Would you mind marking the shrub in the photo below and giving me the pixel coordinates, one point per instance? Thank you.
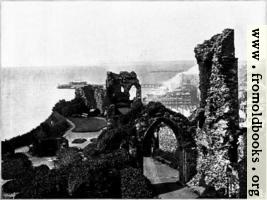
(134, 184)
(15, 166)
(110, 139)
(98, 184)
(59, 129)
(90, 150)
(92, 178)
(95, 173)
(153, 108)
(68, 108)
(30, 177)
(94, 112)
(49, 146)
(67, 156)
(79, 141)
(44, 130)
(7, 148)
(12, 186)
(41, 170)
(46, 184)
(135, 112)
(118, 159)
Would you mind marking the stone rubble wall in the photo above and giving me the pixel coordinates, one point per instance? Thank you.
(120, 85)
(217, 134)
(93, 96)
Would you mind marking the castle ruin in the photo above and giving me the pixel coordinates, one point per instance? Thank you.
(217, 130)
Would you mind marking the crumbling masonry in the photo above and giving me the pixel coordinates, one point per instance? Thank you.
(218, 121)
(93, 96)
(118, 89)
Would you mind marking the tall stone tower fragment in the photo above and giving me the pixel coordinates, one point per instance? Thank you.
(216, 135)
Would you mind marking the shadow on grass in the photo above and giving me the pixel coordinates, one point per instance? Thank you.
(161, 188)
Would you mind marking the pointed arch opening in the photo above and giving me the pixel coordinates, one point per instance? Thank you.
(133, 92)
(163, 143)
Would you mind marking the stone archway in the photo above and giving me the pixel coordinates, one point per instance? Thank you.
(150, 133)
(177, 159)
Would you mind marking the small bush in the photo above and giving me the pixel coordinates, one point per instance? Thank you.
(110, 139)
(49, 146)
(153, 108)
(118, 159)
(26, 179)
(15, 166)
(91, 170)
(79, 141)
(134, 184)
(67, 156)
(45, 183)
(44, 130)
(12, 186)
(41, 170)
(7, 148)
(90, 150)
(99, 184)
(68, 108)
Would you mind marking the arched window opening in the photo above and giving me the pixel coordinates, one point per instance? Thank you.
(132, 92)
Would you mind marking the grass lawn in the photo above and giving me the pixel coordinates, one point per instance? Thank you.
(91, 124)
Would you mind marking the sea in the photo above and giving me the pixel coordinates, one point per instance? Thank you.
(28, 94)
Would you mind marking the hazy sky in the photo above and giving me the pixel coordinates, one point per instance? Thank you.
(84, 33)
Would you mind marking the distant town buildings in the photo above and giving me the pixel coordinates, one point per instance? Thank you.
(183, 99)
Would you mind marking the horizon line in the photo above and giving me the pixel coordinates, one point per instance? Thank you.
(101, 64)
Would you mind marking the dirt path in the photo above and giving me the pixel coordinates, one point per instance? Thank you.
(165, 180)
(37, 161)
(70, 136)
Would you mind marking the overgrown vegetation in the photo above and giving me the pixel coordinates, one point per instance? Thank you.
(108, 167)
(45, 184)
(67, 156)
(99, 175)
(134, 185)
(54, 126)
(15, 166)
(68, 108)
(75, 177)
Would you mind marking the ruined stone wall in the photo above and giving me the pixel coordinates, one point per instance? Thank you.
(119, 85)
(217, 135)
(99, 95)
(93, 96)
